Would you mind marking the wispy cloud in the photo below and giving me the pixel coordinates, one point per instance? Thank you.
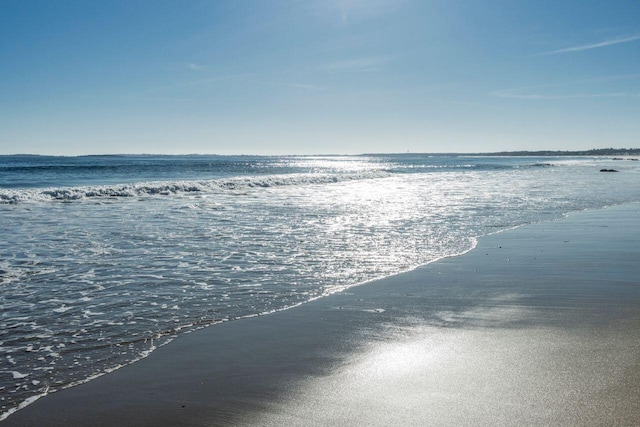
(356, 64)
(572, 89)
(193, 66)
(512, 95)
(604, 43)
(302, 86)
(358, 10)
(200, 82)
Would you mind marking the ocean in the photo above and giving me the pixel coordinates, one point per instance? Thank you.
(105, 258)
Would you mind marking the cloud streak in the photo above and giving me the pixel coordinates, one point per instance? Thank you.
(604, 43)
(302, 86)
(512, 95)
(201, 82)
(193, 66)
(572, 89)
(356, 64)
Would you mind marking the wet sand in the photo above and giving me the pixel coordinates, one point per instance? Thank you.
(536, 326)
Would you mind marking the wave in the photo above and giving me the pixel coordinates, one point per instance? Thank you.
(163, 188)
(444, 167)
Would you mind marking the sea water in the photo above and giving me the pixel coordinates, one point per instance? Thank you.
(105, 258)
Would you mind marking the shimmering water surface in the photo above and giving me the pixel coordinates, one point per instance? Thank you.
(103, 258)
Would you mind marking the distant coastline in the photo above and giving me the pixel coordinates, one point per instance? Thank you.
(523, 153)
(592, 152)
(540, 153)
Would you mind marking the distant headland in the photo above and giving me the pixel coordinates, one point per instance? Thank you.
(593, 152)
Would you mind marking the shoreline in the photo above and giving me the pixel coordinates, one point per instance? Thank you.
(505, 295)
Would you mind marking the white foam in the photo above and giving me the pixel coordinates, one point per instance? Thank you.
(164, 188)
(28, 401)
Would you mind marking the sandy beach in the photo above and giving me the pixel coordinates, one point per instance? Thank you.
(536, 326)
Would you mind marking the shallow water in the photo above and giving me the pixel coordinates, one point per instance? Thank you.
(104, 258)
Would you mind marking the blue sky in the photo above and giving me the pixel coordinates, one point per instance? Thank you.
(303, 77)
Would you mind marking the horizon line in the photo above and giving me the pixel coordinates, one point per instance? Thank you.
(501, 152)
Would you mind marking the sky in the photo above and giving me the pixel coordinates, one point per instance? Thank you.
(313, 77)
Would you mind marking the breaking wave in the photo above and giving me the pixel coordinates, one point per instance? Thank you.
(163, 188)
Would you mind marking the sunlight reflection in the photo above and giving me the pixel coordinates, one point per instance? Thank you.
(425, 375)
